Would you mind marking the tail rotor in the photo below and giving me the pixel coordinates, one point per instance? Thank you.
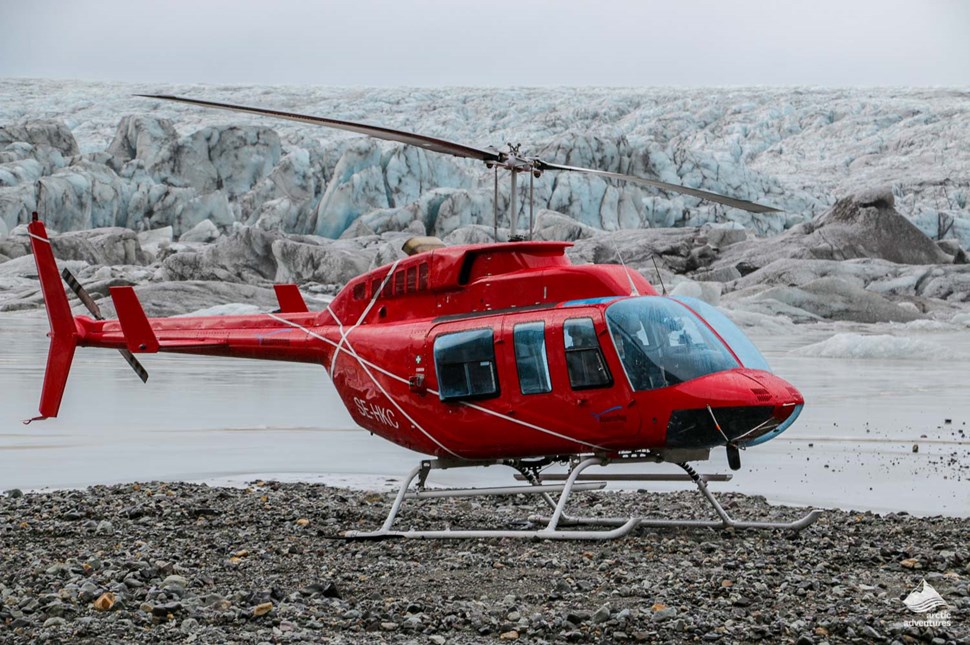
(95, 310)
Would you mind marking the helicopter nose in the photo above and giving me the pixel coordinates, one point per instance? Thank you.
(788, 403)
(741, 407)
(768, 388)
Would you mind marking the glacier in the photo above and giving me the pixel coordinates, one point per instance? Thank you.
(872, 184)
(71, 146)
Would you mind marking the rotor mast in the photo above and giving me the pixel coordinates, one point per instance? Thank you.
(514, 163)
(513, 214)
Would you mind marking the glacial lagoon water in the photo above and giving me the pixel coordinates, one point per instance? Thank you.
(231, 421)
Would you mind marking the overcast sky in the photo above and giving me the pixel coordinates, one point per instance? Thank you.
(490, 42)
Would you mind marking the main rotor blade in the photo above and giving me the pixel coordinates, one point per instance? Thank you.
(703, 194)
(86, 299)
(420, 140)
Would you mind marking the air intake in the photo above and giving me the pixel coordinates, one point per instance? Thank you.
(761, 393)
(421, 244)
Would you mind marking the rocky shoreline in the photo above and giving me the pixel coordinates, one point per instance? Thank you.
(193, 563)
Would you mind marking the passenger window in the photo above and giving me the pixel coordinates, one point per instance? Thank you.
(423, 276)
(465, 364)
(530, 358)
(584, 358)
(412, 280)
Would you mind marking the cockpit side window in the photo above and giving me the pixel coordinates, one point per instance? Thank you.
(584, 357)
(465, 365)
(531, 361)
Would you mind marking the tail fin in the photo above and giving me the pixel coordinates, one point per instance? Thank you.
(134, 323)
(290, 299)
(63, 332)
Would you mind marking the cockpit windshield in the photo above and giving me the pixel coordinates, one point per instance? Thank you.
(740, 344)
(662, 343)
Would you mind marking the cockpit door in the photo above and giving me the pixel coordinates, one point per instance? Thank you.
(592, 379)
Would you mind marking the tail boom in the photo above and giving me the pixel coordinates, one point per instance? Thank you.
(278, 337)
(294, 334)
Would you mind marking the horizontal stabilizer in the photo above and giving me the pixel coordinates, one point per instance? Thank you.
(290, 299)
(134, 323)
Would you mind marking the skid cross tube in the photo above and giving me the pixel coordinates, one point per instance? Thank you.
(550, 532)
(536, 489)
(619, 526)
(725, 521)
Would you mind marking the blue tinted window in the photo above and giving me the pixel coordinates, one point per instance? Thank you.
(530, 358)
(584, 358)
(465, 364)
(743, 348)
(661, 343)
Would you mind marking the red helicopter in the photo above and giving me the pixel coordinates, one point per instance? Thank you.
(487, 354)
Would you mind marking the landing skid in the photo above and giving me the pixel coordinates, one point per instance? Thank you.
(552, 531)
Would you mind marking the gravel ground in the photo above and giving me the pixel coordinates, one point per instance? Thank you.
(193, 563)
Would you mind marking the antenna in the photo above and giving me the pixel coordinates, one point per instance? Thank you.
(659, 277)
(633, 287)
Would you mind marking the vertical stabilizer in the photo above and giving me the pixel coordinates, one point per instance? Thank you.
(290, 299)
(63, 328)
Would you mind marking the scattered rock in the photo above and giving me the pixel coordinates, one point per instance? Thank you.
(601, 615)
(262, 609)
(105, 601)
(55, 621)
(163, 610)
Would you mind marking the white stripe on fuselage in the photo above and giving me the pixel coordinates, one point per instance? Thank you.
(339, 348)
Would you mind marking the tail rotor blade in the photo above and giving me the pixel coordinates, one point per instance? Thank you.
(135, 365)
(751, 207)
(82, 294)
(95, 310)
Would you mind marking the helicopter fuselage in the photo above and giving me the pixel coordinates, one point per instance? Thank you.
(506, 351)
(484, 352)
